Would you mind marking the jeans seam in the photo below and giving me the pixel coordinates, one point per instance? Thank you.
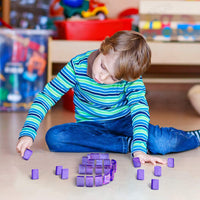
(124, 145)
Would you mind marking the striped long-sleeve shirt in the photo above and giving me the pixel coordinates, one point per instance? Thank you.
(93, 101)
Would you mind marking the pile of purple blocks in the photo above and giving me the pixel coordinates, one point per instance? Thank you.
(157, 171)
(101, 165)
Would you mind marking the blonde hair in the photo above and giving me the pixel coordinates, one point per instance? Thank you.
(134, 54)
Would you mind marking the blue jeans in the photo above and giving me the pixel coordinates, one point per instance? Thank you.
(111, 136)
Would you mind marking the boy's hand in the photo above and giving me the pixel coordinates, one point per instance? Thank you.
(145, 158)
(24, 143)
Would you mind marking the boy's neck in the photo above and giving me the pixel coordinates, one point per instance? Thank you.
(91, 59)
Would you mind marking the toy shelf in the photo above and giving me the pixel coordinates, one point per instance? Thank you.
(163, 53)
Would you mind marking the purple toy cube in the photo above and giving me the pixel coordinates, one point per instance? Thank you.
(98, 169)
(99, 162)
(112, 175)
(157, 170)
(58, 170)
(91, 162)
(93, 156)
(89, 181)
(27, 154)
(140, 174)
(106, 169)
(136, 162)
(114, 165)
(106, 162)
(82, 169)
(98, 180)
(154, 184)
(103, 156)
(35, 174)
(80, 181)
(89, 169)
(65, 174)
(106, 178)
(84, 160)
(170, 162)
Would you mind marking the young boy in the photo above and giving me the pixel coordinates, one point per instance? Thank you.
(111, 110)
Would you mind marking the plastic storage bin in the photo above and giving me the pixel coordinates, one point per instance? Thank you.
(91, 29)
(23, 65)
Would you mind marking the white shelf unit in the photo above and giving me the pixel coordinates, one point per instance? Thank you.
(163, 53)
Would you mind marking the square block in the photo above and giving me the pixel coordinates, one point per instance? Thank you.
(89, 181)
(27, 154)
(99, 162)
(106, 178)
(93, 156)
(98, 169)
(106, 169)
(35, 174)
(98, 180)
(140, 174)
(106, 162)
(58, 170)
(91, 162)
(154, 184)
(84, 160)
(89, 169)
(80, 181)
(157, 170)
(170, 162)
(65, 174)
(136, 162)
(103, 156)
(82, 169)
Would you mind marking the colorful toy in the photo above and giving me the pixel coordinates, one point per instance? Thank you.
(99, 162)
(140, 174)
(106, 178)
(98, 169)
(132, 13)
(89, 169)
(84, 8)
(106, 169)
(27, 154)
(82, 169)
(170, 21)
(170, 162)
(136, 162)
(35, 174)
(80, 181)
(155, 184)
(157, 171)
(98, 180)
(58, 170)
(65, 174)
(89, 181)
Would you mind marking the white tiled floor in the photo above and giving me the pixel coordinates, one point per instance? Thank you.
(169, 107)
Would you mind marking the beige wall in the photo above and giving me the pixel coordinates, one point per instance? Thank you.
(116, 6)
